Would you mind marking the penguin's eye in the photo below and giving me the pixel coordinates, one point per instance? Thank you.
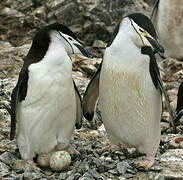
(70, 38)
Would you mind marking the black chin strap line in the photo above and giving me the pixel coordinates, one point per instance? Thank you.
(137, 32)
(67, 42)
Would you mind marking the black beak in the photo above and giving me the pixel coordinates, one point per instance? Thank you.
(84, 51)
(157, 46)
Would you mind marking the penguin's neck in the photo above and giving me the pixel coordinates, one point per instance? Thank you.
(56, 54)
(123, 46)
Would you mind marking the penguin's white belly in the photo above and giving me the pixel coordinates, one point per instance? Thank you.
(130, 106)
(47, 116)
(170, 27)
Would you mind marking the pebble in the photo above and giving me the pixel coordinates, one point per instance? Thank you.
(31, 176)
(7, 157)
(21, 166)
(122, 167)
(4, 169)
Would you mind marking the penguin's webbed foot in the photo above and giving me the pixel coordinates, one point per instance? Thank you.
(146, 163)
(71, 150)
(33, 164)
(112, 147)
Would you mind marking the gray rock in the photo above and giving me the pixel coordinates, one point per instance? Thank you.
(99, 44)
(7, 157)
(71, 177)
(40, 12)
(94, 173)
(122, 167)
(159, 177)
(31, 176)
(21, 166)
(11, 12)
(63, 176)
(4, 169)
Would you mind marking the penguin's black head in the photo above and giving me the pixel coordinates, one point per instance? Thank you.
(145, 30)
(62, 34)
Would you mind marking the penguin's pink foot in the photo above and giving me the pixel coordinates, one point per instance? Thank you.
(33, 164)
(112, 147)
(71, 150)
(147, 162)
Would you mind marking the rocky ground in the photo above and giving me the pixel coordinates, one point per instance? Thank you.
(19, 22)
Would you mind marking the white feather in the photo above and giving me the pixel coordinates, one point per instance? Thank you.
(46, 117)
(130, 104)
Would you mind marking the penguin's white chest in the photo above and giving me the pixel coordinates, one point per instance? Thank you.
(130, 105)
(47, 116)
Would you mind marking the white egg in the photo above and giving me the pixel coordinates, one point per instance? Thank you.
(43, 160)
(60, 160)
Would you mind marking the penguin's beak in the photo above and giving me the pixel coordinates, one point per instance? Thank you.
(84, 51)
(155, 44)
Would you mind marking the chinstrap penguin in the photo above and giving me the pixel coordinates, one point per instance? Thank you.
(45, 102)
(167, 19)
(128, 85)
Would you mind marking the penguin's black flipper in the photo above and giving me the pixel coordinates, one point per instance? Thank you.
(154, 11)
(91, 95)
(157, 81)
(18, 94)
(79, 110)
(179, 109)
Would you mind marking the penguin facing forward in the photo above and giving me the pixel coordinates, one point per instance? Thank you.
(45, 102)
(128, 87)
(167, 19)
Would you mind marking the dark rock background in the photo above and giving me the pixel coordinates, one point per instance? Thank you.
(93, 21)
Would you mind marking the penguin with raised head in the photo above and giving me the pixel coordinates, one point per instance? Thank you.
(167, 19)
(129, 86)
(45, 102)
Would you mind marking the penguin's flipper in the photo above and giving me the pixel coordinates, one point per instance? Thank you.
(179, 109)
(154, 11)
(18, 94)
(180, 98)
(91, 95)
(157, 81)
(79, 111)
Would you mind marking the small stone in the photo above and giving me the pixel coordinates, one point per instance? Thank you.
(87, 175)
(11, 12)
(99, 44)
(113, 171)
(21, 166)
(7, 157)
(85, 178)
(156, 168)
(60, 160)
(4, 169)
(108, 159)
(94, 173)
(122, 167)
(44, 160)
(63, 176)
(159, 177)
(71, 177)
(32, 176)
